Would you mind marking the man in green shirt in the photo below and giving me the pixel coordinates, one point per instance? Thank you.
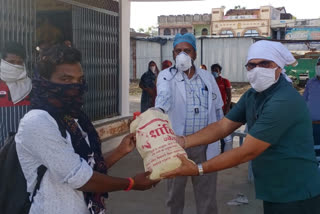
(279, 139)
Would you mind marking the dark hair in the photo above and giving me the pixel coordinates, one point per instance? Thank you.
(57, 55)
(216, 66)
(14, 48)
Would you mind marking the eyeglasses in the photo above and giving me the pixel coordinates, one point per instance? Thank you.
(263, 64)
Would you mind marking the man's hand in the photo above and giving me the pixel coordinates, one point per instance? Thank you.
(142, 181)
(127, 144)
(186, 168)
(181, 140)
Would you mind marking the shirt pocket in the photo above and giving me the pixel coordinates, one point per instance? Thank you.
(203, 98)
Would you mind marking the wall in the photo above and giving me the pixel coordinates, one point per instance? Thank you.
(198, 29)
(145, 52)
(303, 33)
(124, 56)
(176, 22)
(241, 26)
(230, 53)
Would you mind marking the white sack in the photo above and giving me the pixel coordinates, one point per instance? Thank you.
(156, 143)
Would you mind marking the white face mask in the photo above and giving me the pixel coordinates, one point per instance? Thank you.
(318, 70)
(11, 73)
(16, 78)
(183, 62)
(261, 78)
(153, 69)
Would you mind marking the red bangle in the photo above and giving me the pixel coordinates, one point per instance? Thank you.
(131, 184)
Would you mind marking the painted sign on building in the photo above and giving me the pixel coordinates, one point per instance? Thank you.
(240, 17)
(303, 33)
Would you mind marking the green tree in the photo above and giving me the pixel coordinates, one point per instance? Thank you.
(238, 7)
(152, 31)
(141, 30)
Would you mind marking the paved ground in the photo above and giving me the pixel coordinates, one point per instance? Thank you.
(230, 182)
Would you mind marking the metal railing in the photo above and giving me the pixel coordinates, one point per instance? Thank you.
(96, 34)
(17, 23)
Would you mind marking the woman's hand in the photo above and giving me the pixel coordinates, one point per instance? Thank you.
(187, 168)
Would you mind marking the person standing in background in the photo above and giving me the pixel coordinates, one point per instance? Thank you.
(148, 86)
(204, 67)
(224, 86)
(312, 97)
(225, 90)
(15, 87)
(166, 64)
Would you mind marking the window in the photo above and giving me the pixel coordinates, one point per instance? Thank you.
(204, 31)
(227, 33)
(250, 33)
(167, 32)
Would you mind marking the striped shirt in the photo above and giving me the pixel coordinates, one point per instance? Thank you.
(10, 113)
(9, 120)
(196, 104)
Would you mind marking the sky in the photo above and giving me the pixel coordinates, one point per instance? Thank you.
(145, 14)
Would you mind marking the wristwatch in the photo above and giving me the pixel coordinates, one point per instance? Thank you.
(200, 169)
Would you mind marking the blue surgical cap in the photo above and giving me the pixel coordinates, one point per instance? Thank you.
(187, 37)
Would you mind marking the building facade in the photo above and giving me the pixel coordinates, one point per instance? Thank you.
(198, 24)
(244, 22)
(296, 29)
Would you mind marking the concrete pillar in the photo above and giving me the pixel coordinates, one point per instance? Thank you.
(124, 56)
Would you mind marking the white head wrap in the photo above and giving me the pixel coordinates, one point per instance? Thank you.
(273, 51)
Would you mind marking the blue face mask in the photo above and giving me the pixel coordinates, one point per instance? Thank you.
(215, 74)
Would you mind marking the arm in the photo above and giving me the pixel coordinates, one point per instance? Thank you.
(126, 146)
(212, 133)
(229, 97)
(104, 183)
(146, 85)
(49, 148)
(220, 116)
(150, 91)
(164, 93)
(251, 148)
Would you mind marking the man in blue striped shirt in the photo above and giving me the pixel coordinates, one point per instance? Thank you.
(191, 98)
(312, 97)
(15, 87)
